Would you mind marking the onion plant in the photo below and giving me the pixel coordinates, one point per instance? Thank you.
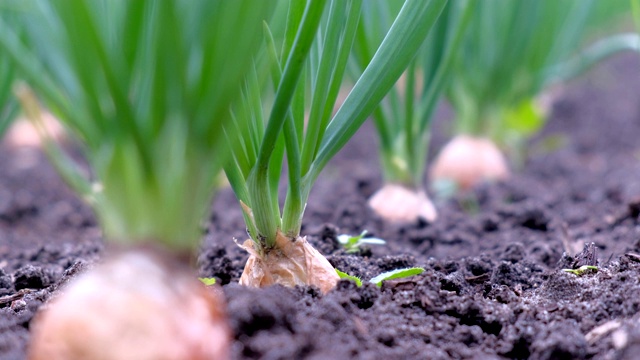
(513, 50)
(308, 67)
(146, 88)
(8, 104)
(403, 120)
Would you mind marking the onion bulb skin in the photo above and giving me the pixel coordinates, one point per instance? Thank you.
(399, 204)
(468, 161)
(136, 304)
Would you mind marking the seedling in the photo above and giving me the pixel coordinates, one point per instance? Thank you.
(208, 281)
(582, 270)
(308, 67)
(346, 276)
(396, 274)
(352, 244)
(389, 275)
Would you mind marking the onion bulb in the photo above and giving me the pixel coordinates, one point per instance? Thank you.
(135, 305)
(400, 204)
(468, 160)
(289, 263)
(23, 133)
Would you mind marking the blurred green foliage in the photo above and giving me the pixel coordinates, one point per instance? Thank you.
(8, 103)
(146, 87)
(516, 49)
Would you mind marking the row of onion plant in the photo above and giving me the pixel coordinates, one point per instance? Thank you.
(151, 91)
(145, 88)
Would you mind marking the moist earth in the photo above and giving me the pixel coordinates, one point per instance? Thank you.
(493, 285)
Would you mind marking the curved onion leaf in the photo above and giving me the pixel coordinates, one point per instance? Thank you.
(396, 274)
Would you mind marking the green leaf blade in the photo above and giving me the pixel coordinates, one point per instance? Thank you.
(147, 87)
(395, 53)
(346, 276)
(396, 274)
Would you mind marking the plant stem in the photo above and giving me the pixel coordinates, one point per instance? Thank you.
(266, 220)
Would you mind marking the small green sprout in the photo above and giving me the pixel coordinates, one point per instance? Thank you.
(389, 275)
(396, 274)
(207, 281)
(352, 244)
(344, 275)
(581, 270)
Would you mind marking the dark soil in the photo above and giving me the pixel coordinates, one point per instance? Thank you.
(493, 285)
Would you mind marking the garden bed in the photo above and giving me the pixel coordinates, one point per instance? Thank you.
(493, 285)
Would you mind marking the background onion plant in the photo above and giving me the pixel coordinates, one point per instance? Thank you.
(513, 50)
(403, 119)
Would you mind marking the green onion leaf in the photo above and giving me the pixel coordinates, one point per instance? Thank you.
(207, 281)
